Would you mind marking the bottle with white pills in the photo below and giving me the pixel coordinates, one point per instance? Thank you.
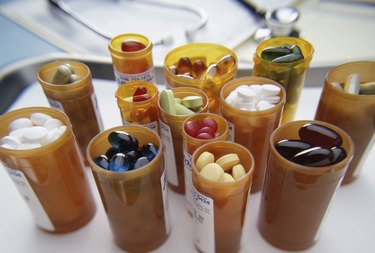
(253, 107)
(68, 88)
(41, 156)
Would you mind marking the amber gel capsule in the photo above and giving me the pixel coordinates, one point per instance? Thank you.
(319, 136)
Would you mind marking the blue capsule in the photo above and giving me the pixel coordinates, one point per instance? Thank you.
(142, 161)
(149, 150)
(102, 161)
(132, 157)
(122, 141)
(110, 153)
(119, 163)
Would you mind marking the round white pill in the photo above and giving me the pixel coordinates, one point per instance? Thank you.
(53, 135)
(20, 123)
(246, 93)
(36, 134)
(29, 146)
(11, 141)
(257, 88)
(52, 123)
(270, 90)
(231, 97)
(263, 105)
(39, 118)
(18, 133)
(271, 99)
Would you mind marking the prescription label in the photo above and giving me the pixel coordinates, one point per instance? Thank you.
(148, 76)
(152, 126)
(55, 104)
(28, 194)
(204, 226)
(163, 184)
(95, 105)
(188, 180)
(169, 159)
(230, 131)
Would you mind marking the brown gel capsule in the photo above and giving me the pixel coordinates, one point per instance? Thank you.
(338, 154)
(184, 65)
(198, 68)
(289, 148)
(314, 157)
(226, 63)
(132, 46)
(319, 136)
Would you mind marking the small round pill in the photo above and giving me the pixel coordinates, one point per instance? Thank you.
(246, 93)
(39, 119)
(271, 99)
(36, 134)
(204, 159)
(20, 123)
(11, 141)
(228, 161)
(270, 89)
(227, 178)
(212, 171)
(238, 171)
(263, 105)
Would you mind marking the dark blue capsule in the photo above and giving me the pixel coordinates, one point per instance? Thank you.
(102, 161)
(149, 150)
(119, 163)
(122, 141)
(110, 153)
(132, 157)
(314, 157)
(142, 161)
(289, 148)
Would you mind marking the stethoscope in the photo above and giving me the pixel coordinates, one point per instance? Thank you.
(189, 31)
(278, 22)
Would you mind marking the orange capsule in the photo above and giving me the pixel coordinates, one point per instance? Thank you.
(226, 63)
(198, 68)
(212, 72)
(184, 65)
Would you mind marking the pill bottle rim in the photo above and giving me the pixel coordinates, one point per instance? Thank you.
(119, 53)
(197, 82)
(281, 40)
(252, 80)
(24, 153)
(129, 174)
(309, 169)
(330, 77)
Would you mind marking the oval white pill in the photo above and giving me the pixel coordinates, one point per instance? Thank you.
(257, 88)
(263, 105)
(270, 90)
(52, 123)
(53, 135)
(18, 133)
(29, 146)
(231, 97)
(36, 134)
(7, 146)
(246, 93)
(11, 141)
(20, 123)
(39, 118)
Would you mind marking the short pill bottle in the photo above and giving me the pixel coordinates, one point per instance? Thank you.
(220, 207)
(171, 134)
(144, 113)
(291, 75)
(132, 65)
(77, 100)
(52, 177)
(210, 54)
(252, 129)
(351, 112)
(135, 201)
(296, 198)
(190, 144)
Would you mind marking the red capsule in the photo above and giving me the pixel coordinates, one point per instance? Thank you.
(209, 122)
(141, 98)
(204, 136)
(184, 65)
(141, 90)
(132, 46)
(319, 135)
(192, 128)
(208, 130)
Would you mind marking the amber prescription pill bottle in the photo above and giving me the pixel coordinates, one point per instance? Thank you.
(51, 177)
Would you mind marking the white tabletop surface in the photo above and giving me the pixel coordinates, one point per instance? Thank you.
(349, 227)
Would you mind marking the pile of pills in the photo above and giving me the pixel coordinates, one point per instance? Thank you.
(124, 153)
(65, 74)
(353, 85)
(132, 46)
(198, 69)
(254, 97)
(139, 95)
(180, 106)
(205, 128)
(29, 133)
(226, 168)
(284, 54)
(318, 146)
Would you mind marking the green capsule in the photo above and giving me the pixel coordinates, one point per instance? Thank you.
(271, 53)
(297, 50)
(288, 58)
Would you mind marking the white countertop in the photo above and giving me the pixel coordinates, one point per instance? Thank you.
(349, 227)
